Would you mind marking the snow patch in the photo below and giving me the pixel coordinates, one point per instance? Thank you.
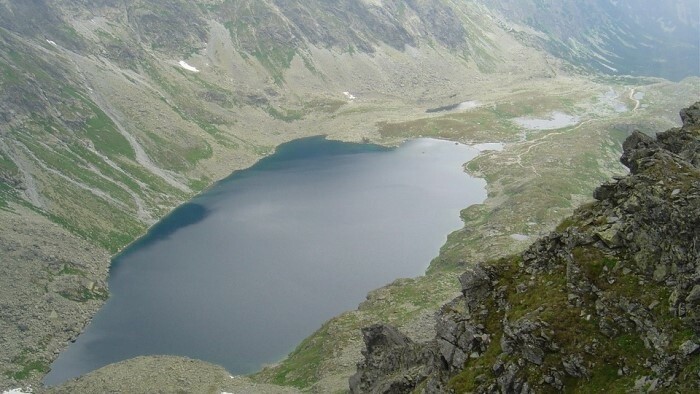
(613, 69)
(467, 105)
(187, 67)
(349, 96)
(54, 44)
(19, 391)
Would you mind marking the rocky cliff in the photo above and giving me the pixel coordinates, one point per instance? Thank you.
(609, 301)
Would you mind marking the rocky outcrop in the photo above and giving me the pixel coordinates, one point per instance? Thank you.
(393, 362)
(609, 301)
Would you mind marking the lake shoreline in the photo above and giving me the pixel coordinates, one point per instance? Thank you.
(214, 185)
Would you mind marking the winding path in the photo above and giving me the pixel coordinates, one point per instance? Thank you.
(637, 103)
(539, 141)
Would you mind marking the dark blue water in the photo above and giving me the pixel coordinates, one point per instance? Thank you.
(242, 273)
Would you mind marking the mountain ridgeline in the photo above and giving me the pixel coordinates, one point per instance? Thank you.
(609, 301)
(624, 37)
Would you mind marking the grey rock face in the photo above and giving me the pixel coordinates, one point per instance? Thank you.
(393, 363)
(689, 348)
(476, 283)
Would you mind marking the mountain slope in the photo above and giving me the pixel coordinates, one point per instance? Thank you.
(614, 37)
(608, 302)
(131, 130)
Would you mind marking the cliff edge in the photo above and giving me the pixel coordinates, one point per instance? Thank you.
(610, 301)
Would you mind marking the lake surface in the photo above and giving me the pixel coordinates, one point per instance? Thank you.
(242, 273)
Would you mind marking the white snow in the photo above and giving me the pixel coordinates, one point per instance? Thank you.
(19, 391)
(349, 96)
(467, 105)
(187, 67)
(54, 44)
(489, 146)
(613, 69)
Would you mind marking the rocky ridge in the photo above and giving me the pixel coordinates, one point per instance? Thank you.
(608, 301)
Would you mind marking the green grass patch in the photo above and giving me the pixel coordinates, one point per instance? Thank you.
(465, 381)
(307, 358)
(6, 193)
(687, 379)
(69, 270)
(70, 165)
(275, 60)
(593, 262)
(104, 134)
(84, 294)
(28, 367)
(252, 25)
(283, 114)
(90, 217)
(325, 106)
(154, 181)
(8, 75)
(8, 168)
(104, 168)
(198, 185)
(197, 153)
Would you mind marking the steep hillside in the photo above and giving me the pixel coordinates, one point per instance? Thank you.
(613, 37)
(607, 302)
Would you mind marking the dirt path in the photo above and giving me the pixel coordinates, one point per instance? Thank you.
(540, 141)
(637, 103)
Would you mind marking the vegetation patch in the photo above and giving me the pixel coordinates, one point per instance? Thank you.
(283, 114)
(307, 358)
(28, 367)
(84, 294)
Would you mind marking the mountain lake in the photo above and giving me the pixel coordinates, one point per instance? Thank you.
(242, 273)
